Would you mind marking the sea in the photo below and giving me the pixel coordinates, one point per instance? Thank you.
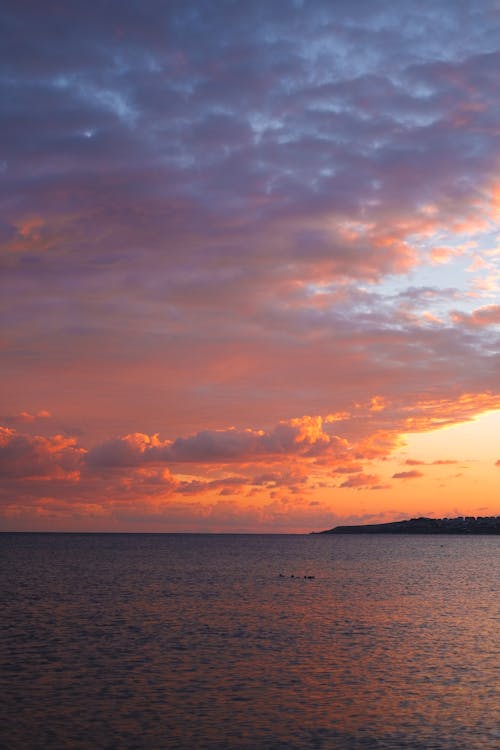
(249, 642)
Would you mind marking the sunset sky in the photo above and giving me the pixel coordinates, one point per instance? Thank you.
(250, 263)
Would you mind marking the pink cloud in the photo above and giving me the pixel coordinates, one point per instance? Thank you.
(25, 417)
(482, 316)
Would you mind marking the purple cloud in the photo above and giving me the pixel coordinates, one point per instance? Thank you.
(413, 474)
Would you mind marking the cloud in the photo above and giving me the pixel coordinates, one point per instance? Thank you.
(211, 215)
(413, 474)
(302, 437)
(353, 468)
(377, 444)
(429, 414)
(24, 417)
(228, 486)
(271, 138)
(438, 462)
(483, 316)
(130, 450)
(25, 456)
(361, 480)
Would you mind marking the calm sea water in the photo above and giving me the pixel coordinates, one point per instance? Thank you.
(219, 642)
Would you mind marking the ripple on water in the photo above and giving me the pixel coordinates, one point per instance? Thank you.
(164, 641)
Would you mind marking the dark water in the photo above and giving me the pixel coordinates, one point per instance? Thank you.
(193, 642)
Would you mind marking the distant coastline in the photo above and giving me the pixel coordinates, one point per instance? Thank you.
(460, 525)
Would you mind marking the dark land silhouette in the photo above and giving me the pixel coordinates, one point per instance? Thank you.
(460, 525)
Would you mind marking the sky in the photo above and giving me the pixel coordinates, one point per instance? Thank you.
(250, 263)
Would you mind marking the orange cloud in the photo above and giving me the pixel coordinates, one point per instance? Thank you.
(361, 480)
(378, 444)
(435, 413)
(37, 457)
(302, 436)
(295, 461)
(441, 255)
(340, 416)
(378, 403)
(439, 462)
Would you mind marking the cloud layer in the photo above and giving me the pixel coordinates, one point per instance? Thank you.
(219, 217)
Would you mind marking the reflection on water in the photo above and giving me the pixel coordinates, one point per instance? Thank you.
(194, 642)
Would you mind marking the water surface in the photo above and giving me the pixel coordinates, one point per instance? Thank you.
(218, 642)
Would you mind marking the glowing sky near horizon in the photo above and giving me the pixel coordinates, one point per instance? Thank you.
(250, 264)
